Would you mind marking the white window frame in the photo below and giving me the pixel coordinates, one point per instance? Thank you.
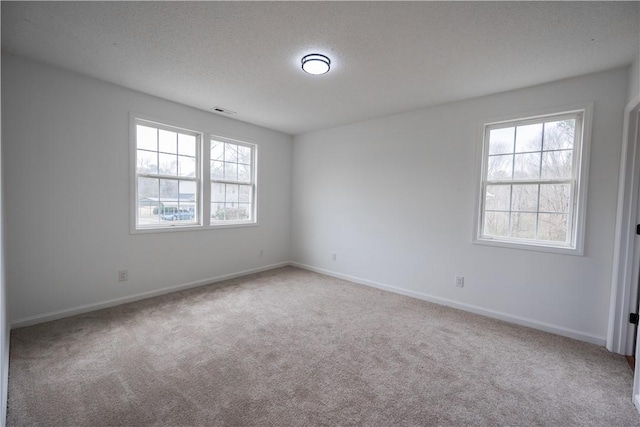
(578, 202)
(253, 183)
(203, 179)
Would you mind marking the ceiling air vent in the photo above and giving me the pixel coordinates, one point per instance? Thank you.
(221, 110)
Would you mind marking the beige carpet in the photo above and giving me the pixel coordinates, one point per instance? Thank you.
(293, 348)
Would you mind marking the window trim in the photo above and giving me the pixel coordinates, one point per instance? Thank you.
(577, 210)
(203, 179)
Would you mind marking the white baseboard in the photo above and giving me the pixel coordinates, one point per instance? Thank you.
(636, 402)
(555, 329)
(531, 323)
(54, 315)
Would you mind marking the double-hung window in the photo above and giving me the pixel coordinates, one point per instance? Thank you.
(232, 181)
(170, 191)
(167, 176)
(534, 183)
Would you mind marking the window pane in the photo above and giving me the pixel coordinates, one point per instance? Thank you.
(185, 207)
(501, 140)
(527, 166)
(498, 197)
(187, 193)
(187, 166)
(244, 155)
(146, 138)
(168, 206)
(169, 190)
(525, 198)
(217, 211)
(230, 171)
(244, 173)
(244, 211)
(187, 145)
(555, 198)
(557, 164)
(553, 227)
(496, 224)
(232, 193)
(529, 138)
(168, 142)
(147, 162)
(231, 211)
(148, 190)
(217, 192)
(168, 164)
(500, 167)
(559, 135)
(217, 150)
(523, 225)
(245, 194)
(217, 170)
(230, 153)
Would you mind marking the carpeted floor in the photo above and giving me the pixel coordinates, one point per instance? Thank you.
(289, 347)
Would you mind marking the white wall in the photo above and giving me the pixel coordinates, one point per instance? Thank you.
(66, 142)
(394, 198)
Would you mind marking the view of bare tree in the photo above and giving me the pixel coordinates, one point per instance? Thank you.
(529, 174)
(230, 169)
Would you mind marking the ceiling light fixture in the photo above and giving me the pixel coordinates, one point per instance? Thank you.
(316, 64)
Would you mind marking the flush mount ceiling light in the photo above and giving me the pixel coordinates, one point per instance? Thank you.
(316, 64)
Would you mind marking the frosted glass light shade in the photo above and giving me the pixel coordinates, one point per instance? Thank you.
(316, 64)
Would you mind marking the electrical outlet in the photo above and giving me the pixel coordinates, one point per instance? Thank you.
(460, 281)
(334, 256)
(123, 275)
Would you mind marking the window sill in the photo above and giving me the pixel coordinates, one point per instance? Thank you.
(216, 225)
(530, 246)
(167, 229)
(192, 227)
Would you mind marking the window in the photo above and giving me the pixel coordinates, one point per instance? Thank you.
(167, 178)
(169, 191)
(232, 182)
(532, 192)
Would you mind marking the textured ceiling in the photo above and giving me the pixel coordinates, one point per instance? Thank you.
(387, 57)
